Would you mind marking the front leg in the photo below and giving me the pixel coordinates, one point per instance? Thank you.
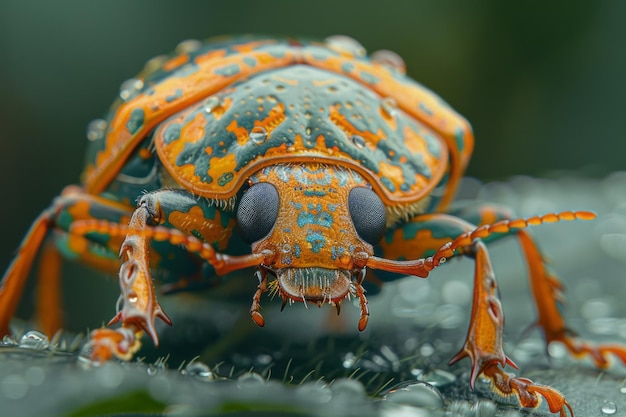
(425, 236)
(180, 218)
(483, 344)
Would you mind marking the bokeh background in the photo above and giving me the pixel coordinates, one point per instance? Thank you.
(543, 83)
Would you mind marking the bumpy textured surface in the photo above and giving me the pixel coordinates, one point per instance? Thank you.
(234, 103)
(412, 315)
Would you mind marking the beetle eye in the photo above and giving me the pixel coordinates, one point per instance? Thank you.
(368, 213)
(257, 211)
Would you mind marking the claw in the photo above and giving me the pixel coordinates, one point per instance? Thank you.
(121, 343)
(600, 354)
(527, 392)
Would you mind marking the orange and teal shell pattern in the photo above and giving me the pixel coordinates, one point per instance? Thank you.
(221, 110)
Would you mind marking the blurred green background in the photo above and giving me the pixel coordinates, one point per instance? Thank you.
(543, 83)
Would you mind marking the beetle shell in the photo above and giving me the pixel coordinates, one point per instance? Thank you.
(234, 102)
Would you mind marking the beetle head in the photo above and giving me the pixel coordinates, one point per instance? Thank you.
(319, 221)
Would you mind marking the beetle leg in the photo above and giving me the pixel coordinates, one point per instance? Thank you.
(176, 216)
(546, 290)
(52, 230)
(527, 392)
(360, 293)
(140, 307)
(257, 317)
(483, 345)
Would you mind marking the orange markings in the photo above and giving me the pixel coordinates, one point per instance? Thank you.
(176, 62)
(193, 131)
(195, 220)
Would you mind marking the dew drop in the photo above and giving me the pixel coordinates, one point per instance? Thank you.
(258, 135)
(95, 129)
(609, 407)
(358, 141)
(8, 341)
(438, 378)
(348, 388)
(155, 63)
(349, 360)
(130, 88)
(389, 59)
(427, 349)
(389, 106)
(557, 350)
(199, 371)
(415, 393)
(188, 45)
(152, 370)
(34, 340)
(210, 104)
(346, 44)
(316, 391)
(251, 378)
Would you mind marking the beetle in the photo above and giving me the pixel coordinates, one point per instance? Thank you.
(337, 169)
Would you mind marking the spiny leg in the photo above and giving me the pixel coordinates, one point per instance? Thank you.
(545, 287)
(484, 339)
(182, 215)
(51, 229)
(483, 344)
(546, 290)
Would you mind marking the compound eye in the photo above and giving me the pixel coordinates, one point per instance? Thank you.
(368, 213)
(257, 211)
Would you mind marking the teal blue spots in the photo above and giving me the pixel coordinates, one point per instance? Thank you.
(186, 70)
(315, 216)
(333, 207)
(433, 145)
(369, 78)
(314, 193)
(225, 178)
(171, 133)
(250, 61)
(283, 174)
(136, 121)
(317, 241)
(296, 250)
(388, 184)
(336, 252)
(460, 139)
(423, 107)
(347, 67)
(297, 206)
(228, 70)
(62, 245)
(178, 93)
(440, 229)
